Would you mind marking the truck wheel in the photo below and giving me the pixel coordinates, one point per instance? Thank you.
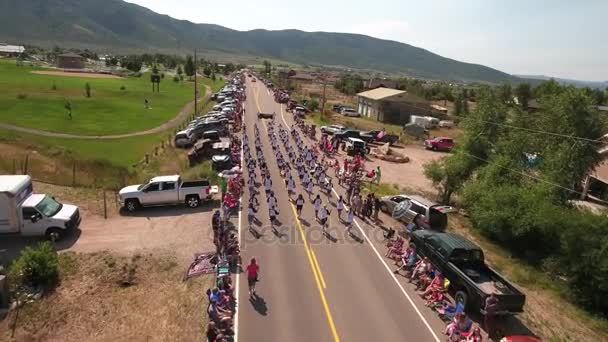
(132, 205)
(53, 234)
(383, 207)
(461, 297)
(434, 148)
(193, 201)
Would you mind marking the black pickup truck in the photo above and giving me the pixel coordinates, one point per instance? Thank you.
(471, 280)
(372, 136)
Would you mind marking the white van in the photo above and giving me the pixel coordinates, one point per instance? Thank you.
(28, 214)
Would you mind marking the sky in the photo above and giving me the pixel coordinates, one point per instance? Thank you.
(558, 38)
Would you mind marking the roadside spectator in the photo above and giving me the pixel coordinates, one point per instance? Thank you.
(490, 308)
(378, 175)
(376, 207)
(212, 332)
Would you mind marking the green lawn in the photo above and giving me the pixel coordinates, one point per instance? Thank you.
(29, 100)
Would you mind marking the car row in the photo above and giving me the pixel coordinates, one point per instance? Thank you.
(373, 136)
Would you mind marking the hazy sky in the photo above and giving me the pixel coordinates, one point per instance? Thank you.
(559, 38)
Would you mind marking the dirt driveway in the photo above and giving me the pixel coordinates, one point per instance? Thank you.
(178, 230)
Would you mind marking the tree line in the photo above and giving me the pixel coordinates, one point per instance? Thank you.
(515, 173)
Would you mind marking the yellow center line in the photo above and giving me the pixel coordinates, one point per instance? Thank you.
(314, 258)
(314, 265)
(317, 277)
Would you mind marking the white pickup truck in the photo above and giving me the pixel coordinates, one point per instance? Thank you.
(26, 213)
(165, 190)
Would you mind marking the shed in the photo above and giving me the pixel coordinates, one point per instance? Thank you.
(70, 61)
(391, 105)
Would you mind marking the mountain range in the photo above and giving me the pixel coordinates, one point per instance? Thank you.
(577, 83)
(121, 27)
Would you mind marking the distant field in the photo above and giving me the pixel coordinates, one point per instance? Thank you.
(29, 100)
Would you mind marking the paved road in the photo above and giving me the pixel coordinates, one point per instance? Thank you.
(315, 288)
(178, 119)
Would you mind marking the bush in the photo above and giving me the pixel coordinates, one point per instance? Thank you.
(312, 105)
(21, 96)
(36, 267)
(87, 89)
(54, 86)
(176, 79)
(123, 88)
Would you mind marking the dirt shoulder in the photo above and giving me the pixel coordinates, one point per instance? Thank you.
(93, 302)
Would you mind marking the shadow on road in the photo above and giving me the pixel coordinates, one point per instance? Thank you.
(11, 246)
(176, 210)
(259, 304)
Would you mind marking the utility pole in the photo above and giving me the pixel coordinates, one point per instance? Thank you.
(195, 86)
(324, 79)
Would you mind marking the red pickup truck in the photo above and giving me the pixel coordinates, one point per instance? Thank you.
(440, 144)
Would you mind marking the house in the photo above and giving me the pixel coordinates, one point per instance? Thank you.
(70, 61)
(302, 77)
(391, 105)
(374, 83)
(11, 50)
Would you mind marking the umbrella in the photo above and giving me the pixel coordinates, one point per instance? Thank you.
(401, 208)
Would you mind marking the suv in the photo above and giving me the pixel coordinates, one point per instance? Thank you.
(354, 146)
(352, 133)
(332, 129)
(349, 112)
(440, 144)
(422, 212)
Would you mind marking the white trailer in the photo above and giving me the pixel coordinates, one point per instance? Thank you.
(28, 214)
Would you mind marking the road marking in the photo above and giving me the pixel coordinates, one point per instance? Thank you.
(314, 258)
(236, 319)
(369, 242)
(314, 271)
(390, 272)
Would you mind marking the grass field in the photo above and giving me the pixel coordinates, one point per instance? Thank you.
(37, 101)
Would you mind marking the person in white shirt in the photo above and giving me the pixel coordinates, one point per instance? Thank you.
(317, 204)
(299, 204)
(268, 184)
(340, 207)
(323, 215)
(350, 216)
(309, 188)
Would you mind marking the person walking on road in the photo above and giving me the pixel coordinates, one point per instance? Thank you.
(340, 207)
(299, 204)
(323, 214)
(350, 217)
(378, 175)
(253, 272)
(317, 204)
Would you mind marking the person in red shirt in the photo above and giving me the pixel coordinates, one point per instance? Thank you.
(253, 270)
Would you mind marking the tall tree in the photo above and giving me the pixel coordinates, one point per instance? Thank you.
(523, 92)
(505, 93)
(189, 66)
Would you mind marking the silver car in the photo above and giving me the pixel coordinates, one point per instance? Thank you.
(332, 129)
(422, 212)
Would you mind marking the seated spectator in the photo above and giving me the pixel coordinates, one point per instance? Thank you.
(212, 332)
(435, 285)
(394, 247)
(475, 335)
(410, 262)
(421, 267)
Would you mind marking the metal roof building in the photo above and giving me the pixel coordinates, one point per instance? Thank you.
(391, 105)
(11, 50)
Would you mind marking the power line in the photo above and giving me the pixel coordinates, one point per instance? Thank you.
(544, 132)
(524, 174)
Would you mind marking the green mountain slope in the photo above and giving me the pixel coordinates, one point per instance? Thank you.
(121, 26)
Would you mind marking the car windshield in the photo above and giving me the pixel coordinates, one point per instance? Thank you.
(48, 206)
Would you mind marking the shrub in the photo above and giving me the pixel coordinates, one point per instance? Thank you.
(36, 267)
(87, 89)
(176, 79)
(54, 86)
(21, 96)
(123, 88)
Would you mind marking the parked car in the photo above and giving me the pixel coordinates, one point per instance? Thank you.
(183, 139)
(165, 190)
(206, 148)
(265, 115)
(355, 146)
(349, 112)
(28, 214)
(337, 108)
(446, 124)
(440, 144)
(332, 129)
(374, 136)
(471, 280)
(423, 213)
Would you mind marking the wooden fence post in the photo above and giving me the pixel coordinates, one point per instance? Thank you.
(74, 173)
(105, 206)
(14, 166)
(26, 164)
(147, 158)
